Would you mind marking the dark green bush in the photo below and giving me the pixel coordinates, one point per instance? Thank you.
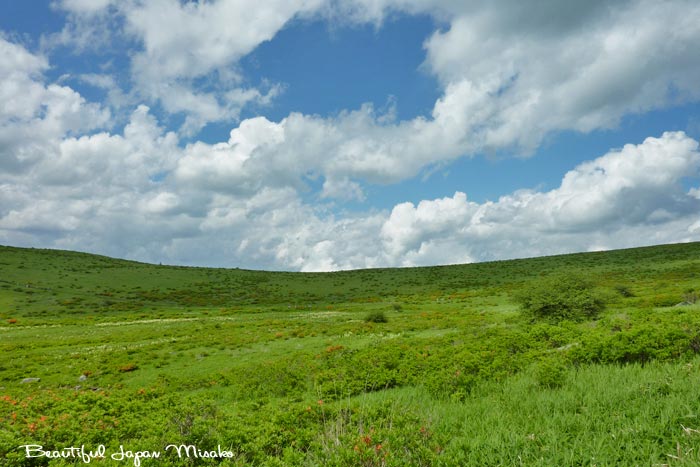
(376, 317)
(550, 373)
(624, 291)
(560, 297)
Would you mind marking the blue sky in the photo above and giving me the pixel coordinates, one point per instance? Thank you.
(338, 134)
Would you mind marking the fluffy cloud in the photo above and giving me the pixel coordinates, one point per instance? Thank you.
(85, 6)
(182, 45)
(624, 198)
(215, 35)
(548, 71)
(511, 72)
(598, 205)
(34, 116)
(154, 201)
(72, 179)
(507, 85)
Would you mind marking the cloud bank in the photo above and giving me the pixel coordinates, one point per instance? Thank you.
(271, 196)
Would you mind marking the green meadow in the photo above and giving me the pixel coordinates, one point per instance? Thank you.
(433, 366)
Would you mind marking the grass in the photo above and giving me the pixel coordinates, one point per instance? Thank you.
(286, 368)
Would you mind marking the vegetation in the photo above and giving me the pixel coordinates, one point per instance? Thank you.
(286, 369)
(376, 317)
(562, 297)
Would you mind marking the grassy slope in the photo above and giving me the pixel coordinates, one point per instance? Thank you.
(456, 377)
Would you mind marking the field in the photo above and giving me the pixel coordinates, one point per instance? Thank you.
(436, 366)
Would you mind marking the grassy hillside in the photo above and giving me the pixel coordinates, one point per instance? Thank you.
(285, 368)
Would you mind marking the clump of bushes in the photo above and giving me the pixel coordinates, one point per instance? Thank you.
(561, 297)
(550, 373)
(624, 291)
(376, 317)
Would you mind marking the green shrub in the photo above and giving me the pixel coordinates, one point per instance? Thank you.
(624, 291)
(550, 373)
(376, 317)
(560, 297)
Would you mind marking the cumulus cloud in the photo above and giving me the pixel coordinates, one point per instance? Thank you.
(627, 197)
(507, 85)
(510, 73)
(186, 41)
(598, 205)
(84, 6)
(34, 116)
(215, 34)
(180, 46)
(206, 204)
(542, 70)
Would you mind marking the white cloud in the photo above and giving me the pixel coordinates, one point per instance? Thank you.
(182, 45)
(409, 226)
(102, 160)
(628, 197)
(342, 189)
(89, 26)
(34, 116)
(85, 6)
(510, 77)
(214, 34)
(511, 72)
(601, 202)
(185, 41)
(116, 97)
(538, 70)
(20, 92)
(507, 85)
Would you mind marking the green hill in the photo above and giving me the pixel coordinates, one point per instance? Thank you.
(410, 366)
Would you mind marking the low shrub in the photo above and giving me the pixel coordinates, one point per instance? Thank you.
(624, 291)
(550, 373)
(128, 367)
(376, 317)
(561, 297)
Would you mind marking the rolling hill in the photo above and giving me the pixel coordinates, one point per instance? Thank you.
(411, 366)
